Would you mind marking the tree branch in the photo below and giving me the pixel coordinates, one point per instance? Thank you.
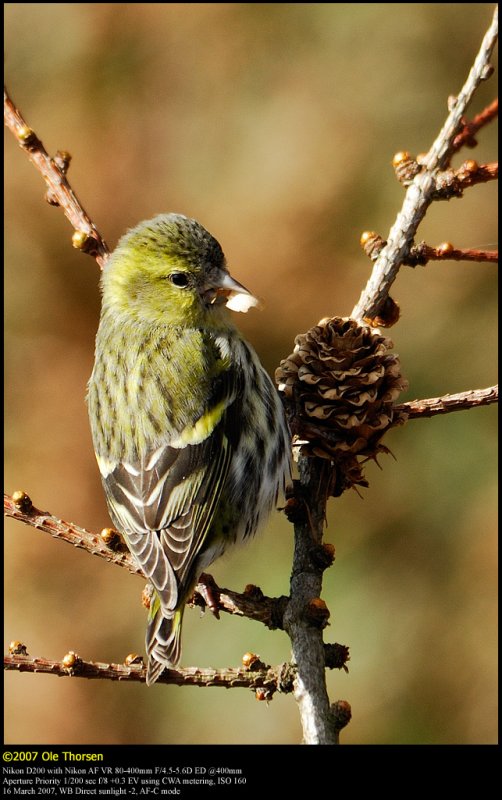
(416, 409)
(466, 135)
(421, 191)
(306, 614)
(252, 603)
(271, 679)
(420, 254)
(20, 507)
(452, 182)
(59, 192)
(307, 430)
(254, 674)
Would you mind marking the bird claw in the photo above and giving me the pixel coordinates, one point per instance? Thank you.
(208, 594)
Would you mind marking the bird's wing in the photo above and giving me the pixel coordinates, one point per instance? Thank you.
(164, 502)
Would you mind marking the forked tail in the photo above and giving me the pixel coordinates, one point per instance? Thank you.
(163, 643)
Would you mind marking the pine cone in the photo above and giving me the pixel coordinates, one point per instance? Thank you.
(340, 385)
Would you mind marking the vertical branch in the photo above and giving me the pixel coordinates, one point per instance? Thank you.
(420, 193)
(306, 614)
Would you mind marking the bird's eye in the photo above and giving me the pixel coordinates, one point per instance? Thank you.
(179, 279)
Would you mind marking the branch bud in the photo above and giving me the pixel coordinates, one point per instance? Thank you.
(22, 501)
(317, 613)
(17, 648)
(341, 713)
(80, 239)
(133, 659)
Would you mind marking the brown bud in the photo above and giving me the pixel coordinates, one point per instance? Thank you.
(26, 136)
(323, 555)
(17, 648)
(445, 248)
(248, 659)
(400, 157)
(372, 244)
(387, 315)
(132, 659)
(80, 239)
(336, 656)
(405, 167)
(341, 713)
(295, 510)
(253, 591)
(71, 661)
(262, 693)
(112, 539)
(253, 662)
(317, 613)
(470, 165)
(22, 501)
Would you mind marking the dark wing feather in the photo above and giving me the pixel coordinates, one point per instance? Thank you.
(164, 502)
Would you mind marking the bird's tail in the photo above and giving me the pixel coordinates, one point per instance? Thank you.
(163, 643)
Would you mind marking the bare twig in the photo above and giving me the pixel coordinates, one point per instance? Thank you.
(421, 253)
(452, 182)
(252, 603)
(25, 511)
(271, 679)
(416, 409)
(470, 128)
(308, 430)
(253, 675)
(59, 192)
(420, 193)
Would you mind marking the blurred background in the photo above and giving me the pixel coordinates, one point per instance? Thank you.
(275, 126)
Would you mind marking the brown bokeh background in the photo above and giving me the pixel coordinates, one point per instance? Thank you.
(274, 125)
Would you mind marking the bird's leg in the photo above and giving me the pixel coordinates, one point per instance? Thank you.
(207, 594)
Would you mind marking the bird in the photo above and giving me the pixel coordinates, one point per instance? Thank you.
(188, 429)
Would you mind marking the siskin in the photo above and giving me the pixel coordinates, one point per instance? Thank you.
(188, 429)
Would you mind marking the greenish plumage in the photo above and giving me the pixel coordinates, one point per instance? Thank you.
(188, 429)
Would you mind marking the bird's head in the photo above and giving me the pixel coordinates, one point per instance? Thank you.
(170, 270)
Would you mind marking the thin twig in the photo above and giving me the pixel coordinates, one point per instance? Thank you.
(272, 679)
(59, 192)
(420, 254)
(254, 675)
(25, 511)
(420, 193)
(252, 603)
(453, 182)
(416, 409)
(309, 430)
(466, 135)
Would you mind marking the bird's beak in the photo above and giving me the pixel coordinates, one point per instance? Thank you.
(223, 289)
